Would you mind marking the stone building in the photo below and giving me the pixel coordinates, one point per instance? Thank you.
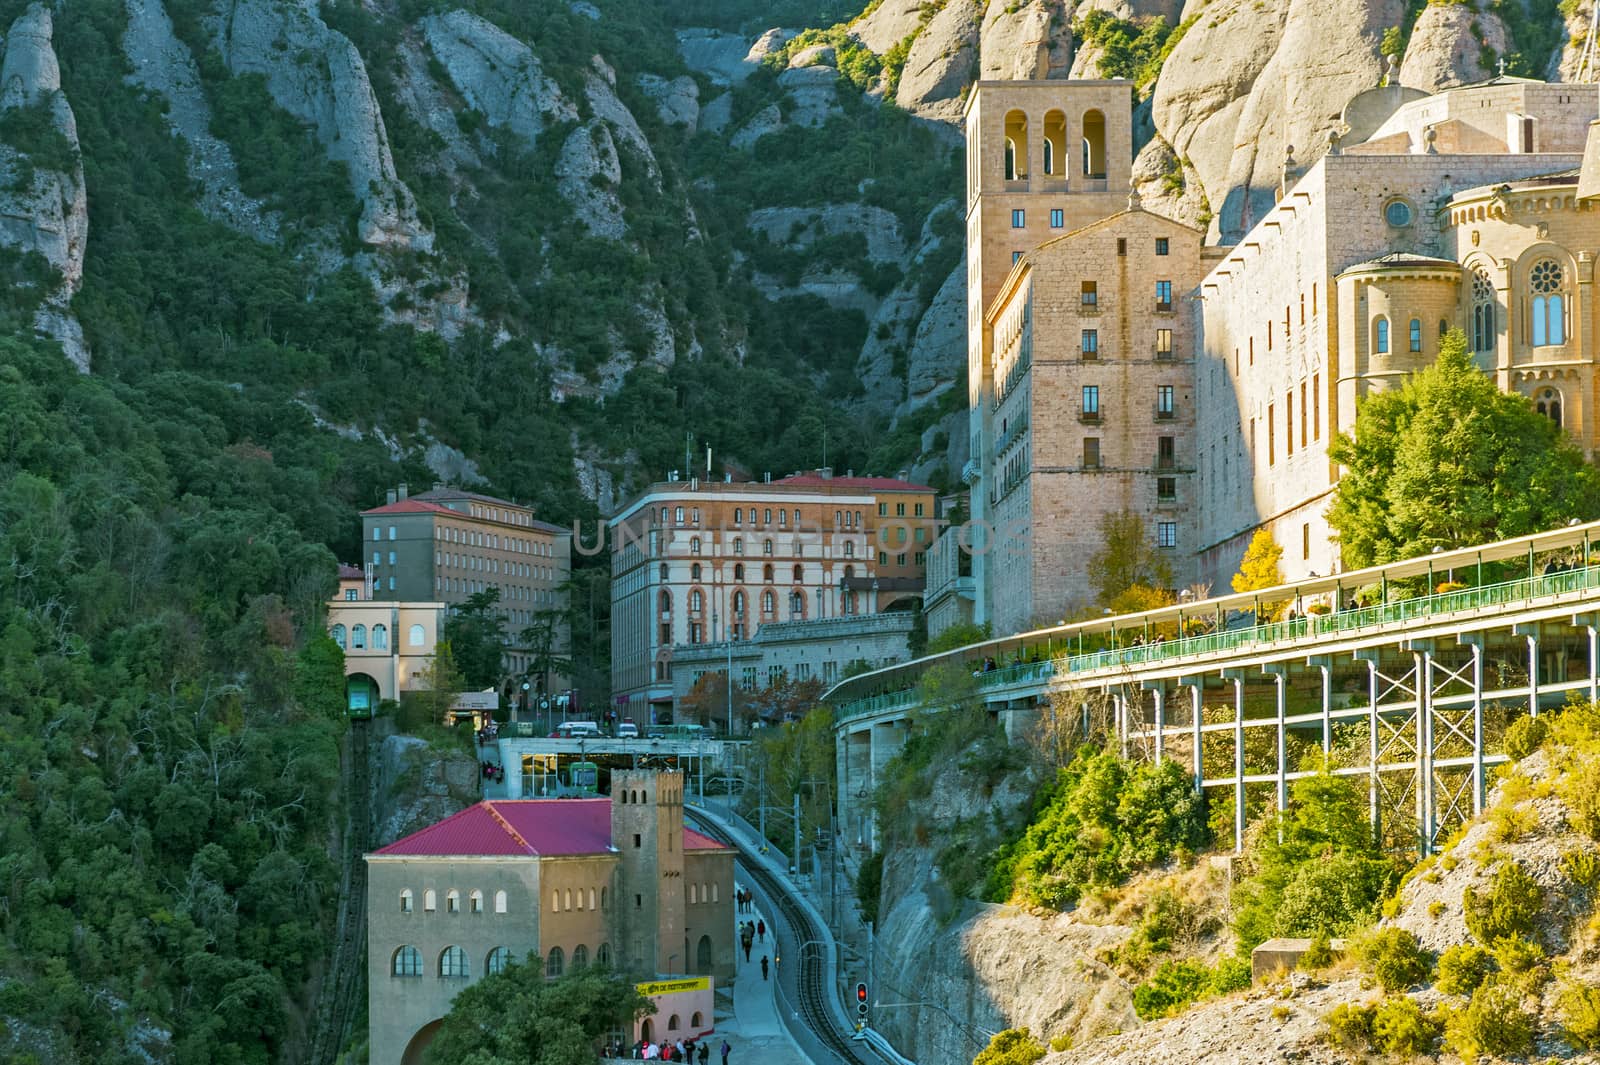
(447, 544)
(703, 562)
(574, 882)
(388, 644)
(1467, 208)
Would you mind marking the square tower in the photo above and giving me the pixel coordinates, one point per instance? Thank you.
(1044, 158)
(647, 830)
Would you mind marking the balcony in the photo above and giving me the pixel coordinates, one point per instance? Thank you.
(1165, 414)
(1165, 356)
(1089, 417)
(1163, 306)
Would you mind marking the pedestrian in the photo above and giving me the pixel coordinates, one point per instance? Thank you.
(761, 931)
(725, 1049)
(763, 966)
(746, 949)
(677, 1049)
(705, 1053)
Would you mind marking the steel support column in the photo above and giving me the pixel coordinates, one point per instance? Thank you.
(1425, 797)
(1161, 718)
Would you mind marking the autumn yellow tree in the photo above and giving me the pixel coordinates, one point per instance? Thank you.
(1259, 569)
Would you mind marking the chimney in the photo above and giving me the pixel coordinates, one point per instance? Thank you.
(767, 477)
(673, 476)
(904, 475)
(825, 472)
(850, 473)
(727, 478)
(391, 495)
(404, 491)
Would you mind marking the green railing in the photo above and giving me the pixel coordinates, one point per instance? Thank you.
(1356, 620)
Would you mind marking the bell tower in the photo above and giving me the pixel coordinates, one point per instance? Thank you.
(647, 831)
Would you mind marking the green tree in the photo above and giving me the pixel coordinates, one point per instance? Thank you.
(442, 682)
(1126, 557)
(1014, 1046)
(960, 634)
(540, 638)
(319, 677)
(517, 1016)
(1449, 460)
(475, 633)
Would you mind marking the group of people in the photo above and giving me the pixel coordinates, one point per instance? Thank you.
(684, 1050)
(493, 771)
(488, 733)
(745, 902)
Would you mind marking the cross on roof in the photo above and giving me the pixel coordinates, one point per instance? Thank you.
(1502, 66)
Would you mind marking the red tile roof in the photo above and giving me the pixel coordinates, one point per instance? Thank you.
(348, 572)
(529, 827)
(868, 484)
(413, 506)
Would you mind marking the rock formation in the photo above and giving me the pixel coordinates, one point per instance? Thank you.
(886, 25)
(44, 208)
(334, 96)
(1027, 41)
(587, 173)
(163, 64)
(496, 74)
(1447, 47)
(677, 100)
(941, 63)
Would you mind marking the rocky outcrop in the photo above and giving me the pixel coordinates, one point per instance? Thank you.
(798, 227)
(428, 104)
(1447, 47)
(600, 88)
(496, 74)
(44, 207)
(768, 43)
(587, 173)
(813, 94)
(417, 785)
(333, 95)
(939, 349)
(1167, 187)
(942, 61)
(767, 120)
(164, 65)
(1022, 42)
(718, 55)
(886, 25)
(677, 101)
(1253, 77)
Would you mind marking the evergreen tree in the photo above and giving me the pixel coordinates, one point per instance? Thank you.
(476, 638)
(1127, 557)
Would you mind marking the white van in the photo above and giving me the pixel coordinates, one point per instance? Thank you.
(573, 730)
(627, 730)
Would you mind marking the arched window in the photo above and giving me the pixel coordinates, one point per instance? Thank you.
(358, 637)
(738, 516)
(591, 898)
(407, 961)
(693, 894)
(672, 1023)
(405, 900)
(694, 545)
(1016, 146)
(665, 571)
(715, 894)
(1549, 404)
(453, 964)
(799, 572)
(338, 635)
(797, 604)
(768, 602)
(696, 601)
(1094, 144)
(1549, 303)
(1055, 144)
(569, 898)
(738, 571)
(416, 637)
(766, 546)
(452, 901)
(555, 965)
(849, 549)
(694, 572)
(380, 638)
(702, 961)
(603, 955)
(666, 601)
(555, 901)
(499, 902)
(604, 898)
(475, 902)
(497, 961)
(430, 901)
(694, 1021)
(580, 957)
(1380, 336)
(738, 545)
(766, 573)
(1415, 339)
(738, 604)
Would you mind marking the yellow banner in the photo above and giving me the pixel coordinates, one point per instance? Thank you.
(669, 987)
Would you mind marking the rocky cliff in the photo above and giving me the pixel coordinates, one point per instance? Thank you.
(44, 208)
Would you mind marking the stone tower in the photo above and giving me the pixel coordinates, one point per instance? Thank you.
(647, 830)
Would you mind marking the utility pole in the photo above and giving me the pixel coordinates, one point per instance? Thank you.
(796, 851)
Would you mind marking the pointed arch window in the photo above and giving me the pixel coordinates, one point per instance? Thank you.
(1549, 404)
(1380, 336)
(738, 571)
(1548, 283)
(799, 572)
(694, 572)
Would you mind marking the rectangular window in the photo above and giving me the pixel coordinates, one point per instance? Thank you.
(1091, 295)
(1166, 534)
(917, 510)
(1091, 343)
(1316, 406)
(883, 510)
(1058, 218)
(1122, 245)
(883, 558)
(1272, 434)
(1163, 295)
(1091, 452)
(920, 558)
(1302, 414)
(1091, 401)
(1015, 257)
(1164, 346)
(1164, 401)
(1166, 452)
(1166, 489)
(900, 560)
(1305, 541)
(1288, 423)
(391, 558)
(922, 534)
(1019, 218)
(899, 510)
(1161, 245)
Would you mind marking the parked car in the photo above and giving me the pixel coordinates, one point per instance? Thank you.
(572, 730)
(627, 730)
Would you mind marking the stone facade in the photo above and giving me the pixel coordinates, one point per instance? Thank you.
(951, 591)
(642, 897)
(697, 563)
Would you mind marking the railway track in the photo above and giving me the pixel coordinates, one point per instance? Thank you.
(345, 984)
(810, 976)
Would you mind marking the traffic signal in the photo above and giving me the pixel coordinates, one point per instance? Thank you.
(861, 1000)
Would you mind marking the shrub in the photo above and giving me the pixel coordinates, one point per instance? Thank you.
(1580, 789)
(1334, 896)
(1463, 968)
(1509, 909)
(1395, 958)
(1580, 1015)
(1014, 1046)
(1400, 1027)
(1170, 988)
(1231, 974)
(1061, 1042)
(1350, 1026)
(869, 886)
(1525, 735)
(1494, 1023)
(1581, 865)
(1319, 955)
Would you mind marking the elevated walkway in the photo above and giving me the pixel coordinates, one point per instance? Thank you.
(1390, 677)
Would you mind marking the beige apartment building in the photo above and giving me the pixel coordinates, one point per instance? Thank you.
(388, 644)
(703, 562)
(447, 544)
(570, 882)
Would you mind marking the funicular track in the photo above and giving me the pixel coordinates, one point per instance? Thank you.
(344, 985)
(813, 993)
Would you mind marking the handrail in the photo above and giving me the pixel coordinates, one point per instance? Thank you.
(1311, 626)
